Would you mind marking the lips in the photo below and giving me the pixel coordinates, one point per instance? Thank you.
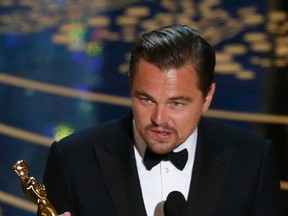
(161, 134)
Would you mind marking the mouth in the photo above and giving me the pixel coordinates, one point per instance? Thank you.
(160, 134)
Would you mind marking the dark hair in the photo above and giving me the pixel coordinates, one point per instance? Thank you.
(173, 47)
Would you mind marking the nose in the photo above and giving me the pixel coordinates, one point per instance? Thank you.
(160, 115)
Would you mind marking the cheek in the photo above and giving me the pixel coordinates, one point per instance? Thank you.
(141, 115)
(187, 122)
(185, 126)
(185, 130)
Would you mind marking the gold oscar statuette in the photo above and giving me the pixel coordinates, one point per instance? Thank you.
(34, 189)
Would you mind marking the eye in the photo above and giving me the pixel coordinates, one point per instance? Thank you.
(146, 101)
(177, 104)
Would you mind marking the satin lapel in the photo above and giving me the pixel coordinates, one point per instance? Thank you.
(210, 167)
(118, 166)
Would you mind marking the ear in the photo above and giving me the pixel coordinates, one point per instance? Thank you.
(209, 98)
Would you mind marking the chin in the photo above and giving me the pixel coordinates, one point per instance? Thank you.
(160, 148)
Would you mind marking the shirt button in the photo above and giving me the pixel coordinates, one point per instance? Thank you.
(166, 170)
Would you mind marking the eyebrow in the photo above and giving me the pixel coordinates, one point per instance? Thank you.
(141, 93)
(183, 98)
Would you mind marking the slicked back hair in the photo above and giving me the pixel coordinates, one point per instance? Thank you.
(173, 47)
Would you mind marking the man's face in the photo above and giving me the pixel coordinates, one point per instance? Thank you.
(167, 105)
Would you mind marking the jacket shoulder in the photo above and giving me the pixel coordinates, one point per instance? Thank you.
(228, 134)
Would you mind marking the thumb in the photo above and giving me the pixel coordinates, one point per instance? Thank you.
(66, 214)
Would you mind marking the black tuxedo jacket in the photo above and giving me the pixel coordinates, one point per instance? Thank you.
(93, 173)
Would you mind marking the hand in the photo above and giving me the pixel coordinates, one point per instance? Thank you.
(66, 214)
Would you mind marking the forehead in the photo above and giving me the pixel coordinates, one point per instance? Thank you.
(150, 78)
(147, 70)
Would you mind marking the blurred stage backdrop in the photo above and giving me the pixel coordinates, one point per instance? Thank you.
(64, 63)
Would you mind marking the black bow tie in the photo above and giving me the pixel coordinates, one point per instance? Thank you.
(178, 159)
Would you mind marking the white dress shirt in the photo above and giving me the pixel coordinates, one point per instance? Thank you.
(164, 178)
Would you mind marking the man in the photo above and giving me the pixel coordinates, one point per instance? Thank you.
(116, 169)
